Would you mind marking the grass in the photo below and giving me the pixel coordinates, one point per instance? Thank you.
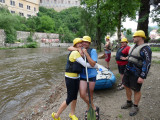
(156, 61)
(155, 48)
(29, 45)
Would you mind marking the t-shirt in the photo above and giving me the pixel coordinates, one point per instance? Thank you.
(73, 56)
(92, 72)
(124, 51)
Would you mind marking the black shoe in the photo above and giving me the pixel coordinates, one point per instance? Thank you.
(127, 105)
(134, 110)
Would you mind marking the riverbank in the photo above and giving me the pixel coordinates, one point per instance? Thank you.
(109, 100)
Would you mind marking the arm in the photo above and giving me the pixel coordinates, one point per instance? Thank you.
(71, 48)
(82, 62)
(91, 62)
(146, 54)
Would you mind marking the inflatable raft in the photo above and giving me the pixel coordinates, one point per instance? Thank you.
(105, 78)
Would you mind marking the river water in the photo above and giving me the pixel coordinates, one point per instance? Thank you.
(27, 73)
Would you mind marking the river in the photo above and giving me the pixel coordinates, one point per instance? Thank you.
(26, 74)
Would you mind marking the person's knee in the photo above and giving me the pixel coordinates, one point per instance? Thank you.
(82, 95)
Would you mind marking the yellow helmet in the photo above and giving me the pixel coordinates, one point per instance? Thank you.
(124, 40)
(86, 38)
(139, 33)
(107, 37)
(76, 40)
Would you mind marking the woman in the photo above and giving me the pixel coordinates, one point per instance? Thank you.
(73, 68)
(122, 60)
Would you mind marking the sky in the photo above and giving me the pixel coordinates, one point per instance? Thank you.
(133, 24)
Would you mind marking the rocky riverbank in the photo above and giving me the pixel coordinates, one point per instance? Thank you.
(108, 100)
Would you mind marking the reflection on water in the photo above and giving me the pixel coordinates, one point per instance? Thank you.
(25, 73)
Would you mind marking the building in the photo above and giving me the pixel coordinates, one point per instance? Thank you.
(59, 5)
(26, 8)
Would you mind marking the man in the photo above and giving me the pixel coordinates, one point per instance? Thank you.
(92, 58)
(108, 51)
(122, 59)
(139, 61)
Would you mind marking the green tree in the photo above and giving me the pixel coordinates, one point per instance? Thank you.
(46, 24)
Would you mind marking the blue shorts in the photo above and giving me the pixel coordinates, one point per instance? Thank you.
(93, 79)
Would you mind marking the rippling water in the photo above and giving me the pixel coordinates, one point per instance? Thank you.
(26, 73)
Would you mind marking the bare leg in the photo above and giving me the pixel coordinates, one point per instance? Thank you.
(61, 109)
(128, 93)
(107, 64)
(122, 79)
(91, 88)
(73, 106)
(137, 97)
(83, 91)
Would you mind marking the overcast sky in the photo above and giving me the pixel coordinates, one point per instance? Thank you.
(132, 24)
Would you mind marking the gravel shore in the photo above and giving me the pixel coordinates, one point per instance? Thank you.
(108, 100)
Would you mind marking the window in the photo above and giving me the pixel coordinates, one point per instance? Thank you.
(21, 5)
(55, 1)
(40, 1)
(69, 2)
(12, 11)
(28, 15)
(76, 2)
(34, 9)
(2, 1)
(12, 2)
(62, 1)
(28, 7)
(21, 14)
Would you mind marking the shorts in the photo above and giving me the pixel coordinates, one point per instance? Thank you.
(107, 55)
(93, 79)
(121, 68)
(130, 81)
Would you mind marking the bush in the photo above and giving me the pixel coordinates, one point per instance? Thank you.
(29, 39)
(32, 45)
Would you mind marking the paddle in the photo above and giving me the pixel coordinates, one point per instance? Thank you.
(91, 113)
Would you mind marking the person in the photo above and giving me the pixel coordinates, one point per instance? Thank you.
(73, 68)
(139, 61)
(121, 59)
(108, 51)
(92, 58)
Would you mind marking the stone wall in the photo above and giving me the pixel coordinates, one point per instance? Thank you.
(2, 37)
(37, 36)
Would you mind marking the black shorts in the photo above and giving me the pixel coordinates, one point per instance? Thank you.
(121, 68)
(130, 81)
(93, 79)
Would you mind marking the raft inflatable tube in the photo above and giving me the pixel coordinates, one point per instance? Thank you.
(105, 78)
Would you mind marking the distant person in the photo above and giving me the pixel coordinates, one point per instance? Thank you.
(122, 59)
(92, 58)
(73, 68)
(108, 51)
(139, 61)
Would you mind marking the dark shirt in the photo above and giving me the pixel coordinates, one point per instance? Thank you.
(146, 55)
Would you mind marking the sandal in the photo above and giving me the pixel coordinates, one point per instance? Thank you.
(120, 88)
(120, 84)
(85, 117)
(53, 115)
(97, 111)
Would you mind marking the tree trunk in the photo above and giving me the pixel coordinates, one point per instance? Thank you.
(98, 35)
(119, 26)
(143, 19)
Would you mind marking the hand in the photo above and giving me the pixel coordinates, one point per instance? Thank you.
(84, 51)
(80, 51)
(123, 58)
(140, 80)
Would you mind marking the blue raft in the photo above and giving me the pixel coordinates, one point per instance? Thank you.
(105, 78)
